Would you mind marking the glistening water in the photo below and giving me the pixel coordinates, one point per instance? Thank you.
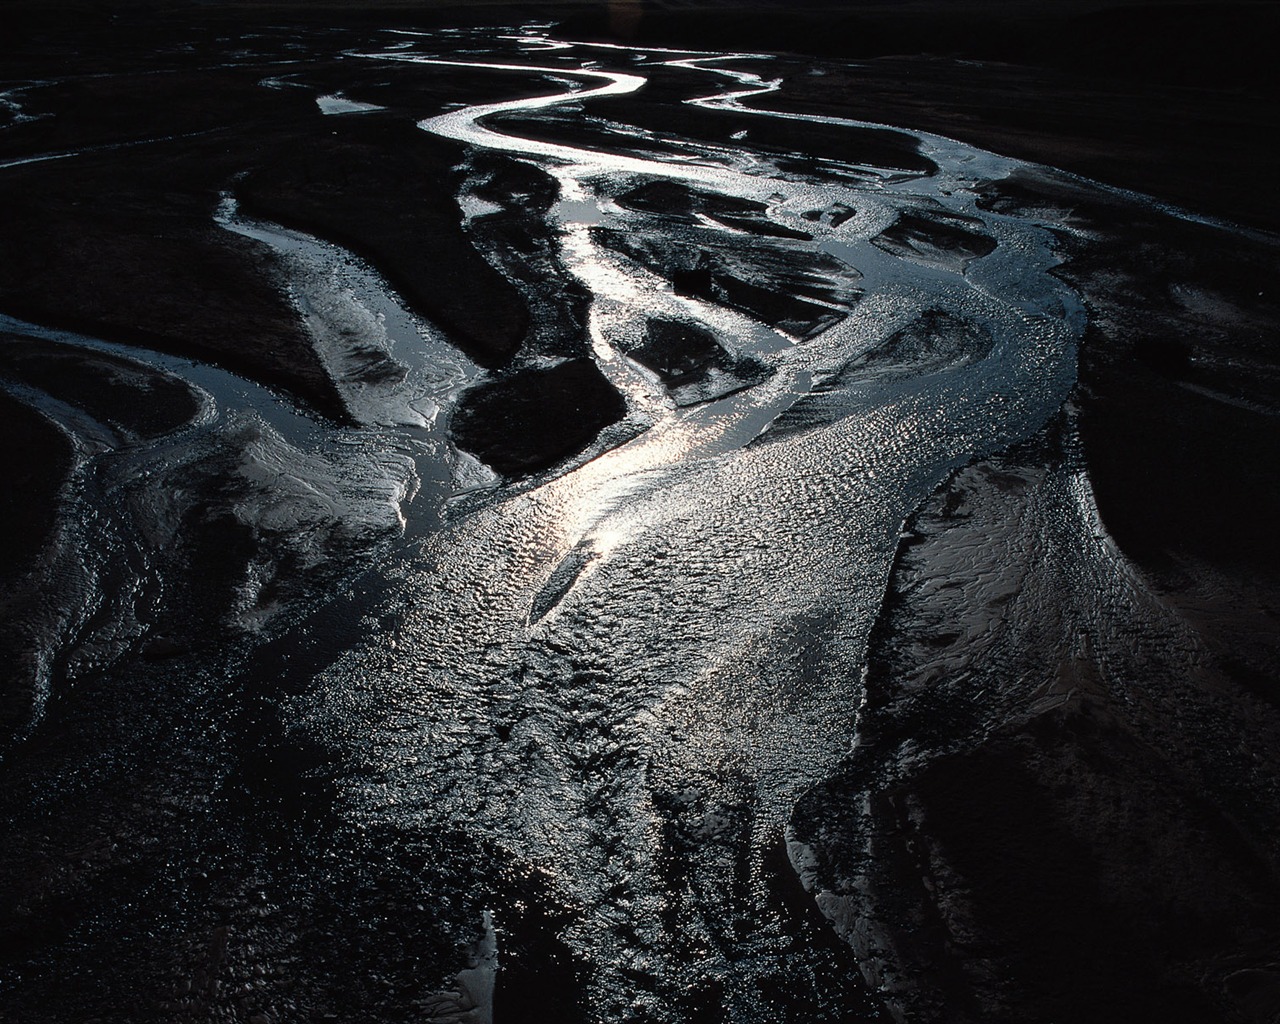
(567, 717)
(622, 676)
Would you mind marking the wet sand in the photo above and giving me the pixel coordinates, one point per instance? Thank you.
(1099, 846)
(108, 229)
(37, 460)
(1172, 100)
(1083, 828)
(116, 247)
(362, 185)
(1080, 840)
(532, 420)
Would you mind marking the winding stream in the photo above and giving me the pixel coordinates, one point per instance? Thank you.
(620, 675)
(625, 675)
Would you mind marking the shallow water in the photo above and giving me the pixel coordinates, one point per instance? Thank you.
(615, 678)
(625, 674)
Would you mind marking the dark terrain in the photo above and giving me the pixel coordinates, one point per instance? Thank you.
(285, 741)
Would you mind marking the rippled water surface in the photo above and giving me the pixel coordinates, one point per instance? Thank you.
(573, 711)
(623, 675)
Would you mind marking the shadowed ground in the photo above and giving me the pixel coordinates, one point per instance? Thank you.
(1062, 803)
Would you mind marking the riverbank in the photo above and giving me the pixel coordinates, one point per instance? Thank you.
(573, 714)
(1059, 806)
(1174, 99)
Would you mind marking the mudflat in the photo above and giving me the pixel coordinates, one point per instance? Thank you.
(786, 538)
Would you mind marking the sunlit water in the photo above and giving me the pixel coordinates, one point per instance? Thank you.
(622, 674)
(701, 664)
